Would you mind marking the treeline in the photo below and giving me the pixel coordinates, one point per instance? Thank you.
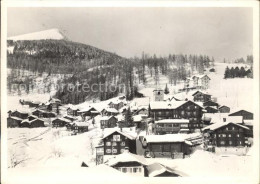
(237, 73)
(108, 74)
(176, 66)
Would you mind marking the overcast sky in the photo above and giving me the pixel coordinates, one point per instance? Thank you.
(218, 32)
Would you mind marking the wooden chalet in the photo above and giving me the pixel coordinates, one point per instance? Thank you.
(13, 122)
(199, 96)
(210, 103)
(116, 142)
(177, 110)
(226, 134)
(89, 111)
(108, 122)
(224, 109)
(43, 114)
(71, 118)
(109, 112)
(25, 123)
(72, 111)
(171, 126)
(210, 109)
(129, 163)
(116, 104)
(34, 104)
(19, 114)
(246, 115)
(80, 127)
(168, 145)
(36, 123)
(60, 122)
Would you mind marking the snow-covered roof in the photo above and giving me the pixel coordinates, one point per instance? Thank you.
(137, 118)
(113, 110)
(172, 121)
(81, 123)
(169, 105)
(63, 119)
(129, 135)
(166, 105)
(157, 169)
(126, 157)
(16, 118)
(106, 117)
(219, 125)
(169, 137)
(33, 116)
(214, 117)
(36, 120)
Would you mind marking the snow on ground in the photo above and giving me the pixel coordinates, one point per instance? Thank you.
(53, 34)
(236, 93)
(206, 164)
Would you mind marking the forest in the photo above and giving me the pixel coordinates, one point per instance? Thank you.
(90, 65)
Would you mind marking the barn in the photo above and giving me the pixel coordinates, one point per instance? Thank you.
(13, 122)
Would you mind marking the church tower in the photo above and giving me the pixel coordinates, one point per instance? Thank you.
(158, 95)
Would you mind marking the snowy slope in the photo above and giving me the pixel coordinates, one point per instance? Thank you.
(53, 34)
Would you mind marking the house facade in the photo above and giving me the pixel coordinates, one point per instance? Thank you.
(246, 115)
(117, 142)
(171, 126)
(177, 110)
(224, 109)
(226, 135)
(201, 97)
(166, 146)
(108, 122)
(13, 122)
(60, 122)
(72, 112)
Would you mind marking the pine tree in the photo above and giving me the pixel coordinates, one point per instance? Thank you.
(128, 117)
(227, 73)
(166, 90)
(232, 72)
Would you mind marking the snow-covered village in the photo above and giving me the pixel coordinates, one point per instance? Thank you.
(78, 113)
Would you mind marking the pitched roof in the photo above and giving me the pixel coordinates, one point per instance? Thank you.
(106, 117)
(172, 121)
(81, 123)
(156, 169)
(219, 125)
(239, 111)
(126, 157)
(200, 92)
(113, 110)
(170, 105)
(63, 119)
(16, 118)
(129, 135)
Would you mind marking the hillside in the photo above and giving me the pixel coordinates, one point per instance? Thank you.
(54, 34)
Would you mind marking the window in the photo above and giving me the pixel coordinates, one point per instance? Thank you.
(237, 135)
(114, 150)
(226, 128)
(122, 143)
(124, 169)
(135, 170)
(233, 128)
(223, 135)
(108, 150)
(222, 142)
(229, 135)
(230, 142)
(114, 144)
(122, 150)
(140, 169)
(116, 138)
(108, 143)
